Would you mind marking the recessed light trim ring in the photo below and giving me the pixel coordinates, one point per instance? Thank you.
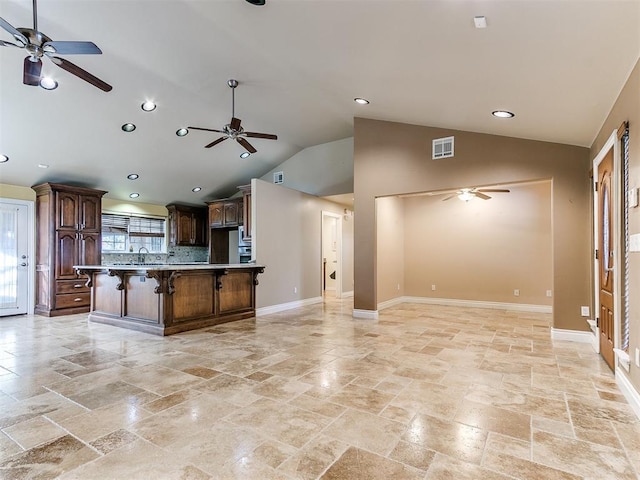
(503, 114)
(128, 127)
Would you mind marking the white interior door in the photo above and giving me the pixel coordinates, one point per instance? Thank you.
(332, 253)
(14, 257)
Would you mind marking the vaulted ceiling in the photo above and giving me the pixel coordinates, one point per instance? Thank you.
(559, 65)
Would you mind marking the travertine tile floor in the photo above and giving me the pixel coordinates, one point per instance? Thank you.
(426, 392)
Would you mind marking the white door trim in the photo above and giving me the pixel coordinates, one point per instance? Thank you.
(338, 218)
(612, 143)
(30, 206)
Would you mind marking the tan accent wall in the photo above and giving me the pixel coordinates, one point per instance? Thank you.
(391, 260)
(16, 192)
(482, 249)
(287, 239)
(393, 158)
(627, 108)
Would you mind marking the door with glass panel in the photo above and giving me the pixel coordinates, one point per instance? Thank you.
(14, 258)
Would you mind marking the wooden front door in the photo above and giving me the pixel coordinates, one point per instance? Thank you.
(605, 258)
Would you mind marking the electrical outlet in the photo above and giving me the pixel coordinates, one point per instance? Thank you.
(548, 293)
(295, 289)
(433, 288)
(516, 293)
(398, 286)
(637, 357)
(584, 311)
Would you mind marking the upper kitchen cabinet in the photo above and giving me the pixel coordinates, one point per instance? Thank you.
(225, 213)
(187, 226)
(68, 224)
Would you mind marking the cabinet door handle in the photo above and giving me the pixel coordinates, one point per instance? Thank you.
(77, 299)
(77, 285)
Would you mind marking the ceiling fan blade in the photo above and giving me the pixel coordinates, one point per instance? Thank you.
(80, 73)
(9, 44)
(481, 195)
(449, 197)
(235, 123)
(13, 31)
(246, 145)
(266, 136)
(72, 48)
(215, 142)
(499, 190)
(31, 72)
(205, 129)
(444, 192)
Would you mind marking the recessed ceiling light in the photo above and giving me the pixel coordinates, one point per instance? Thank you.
(181, 132)
(133, 176)
(43, 165)
(196, 189)
(244, 154)
(128, 127)
(48, 83)
(361, 101)
(503, 114)
(148, 106)
(4, 158)
(134, 195)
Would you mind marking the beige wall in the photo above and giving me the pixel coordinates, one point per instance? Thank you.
(627, 108)
(482, 249)
(390, 233)
(16, 192)
(392, 158)
(287, 239)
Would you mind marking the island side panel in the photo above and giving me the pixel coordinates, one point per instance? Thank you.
(193, 297)
(236, 293)
(141, 302)
(106, 296)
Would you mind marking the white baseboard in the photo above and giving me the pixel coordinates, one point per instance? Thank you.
(287, 306)
(391, 303)
(571, 335)
(347, 294)
(367, 314)
(454, 302)
(630, 393)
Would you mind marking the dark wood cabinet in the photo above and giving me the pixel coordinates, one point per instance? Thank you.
(187, 226)
(68, 224)
(225, 213)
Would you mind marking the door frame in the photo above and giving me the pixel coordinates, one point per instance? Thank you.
(612, 143)
(338, 218)
(31, 250)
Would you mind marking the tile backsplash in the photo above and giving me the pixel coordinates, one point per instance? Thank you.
(174, 255)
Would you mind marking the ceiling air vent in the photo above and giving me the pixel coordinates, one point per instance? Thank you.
(442, 148)
(278, 177)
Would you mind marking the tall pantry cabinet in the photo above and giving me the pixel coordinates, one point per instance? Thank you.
(68, 225)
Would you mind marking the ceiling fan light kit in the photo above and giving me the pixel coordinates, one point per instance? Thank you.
(38, 45)
(234, 128)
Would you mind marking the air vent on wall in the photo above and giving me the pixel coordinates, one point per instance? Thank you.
(442, 148)
(278, 177)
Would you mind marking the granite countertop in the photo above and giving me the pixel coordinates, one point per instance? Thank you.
(168, 266)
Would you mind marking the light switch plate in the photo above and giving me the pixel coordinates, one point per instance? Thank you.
(632, 197)
(634, 242)
(584, 311)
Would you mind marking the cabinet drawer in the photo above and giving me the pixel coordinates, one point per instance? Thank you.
(68, 300)
(71, 286)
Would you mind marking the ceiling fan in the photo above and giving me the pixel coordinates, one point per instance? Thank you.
(467, 194)
(38, 45)
(233, 129)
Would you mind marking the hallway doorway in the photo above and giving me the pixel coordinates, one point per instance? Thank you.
(331, 266)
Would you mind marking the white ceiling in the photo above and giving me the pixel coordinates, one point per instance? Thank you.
(559, 65)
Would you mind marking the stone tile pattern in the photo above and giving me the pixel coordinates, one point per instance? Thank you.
(426, 392)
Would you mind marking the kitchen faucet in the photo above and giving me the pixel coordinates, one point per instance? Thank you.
(140, 256)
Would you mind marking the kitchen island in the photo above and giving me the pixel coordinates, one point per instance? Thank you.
(167, 299)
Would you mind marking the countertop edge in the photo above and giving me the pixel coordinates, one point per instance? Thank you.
(208, 266)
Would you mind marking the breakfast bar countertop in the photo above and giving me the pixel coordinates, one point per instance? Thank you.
(168, 266)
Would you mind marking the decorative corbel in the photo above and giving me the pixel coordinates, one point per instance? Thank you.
(120, 275)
